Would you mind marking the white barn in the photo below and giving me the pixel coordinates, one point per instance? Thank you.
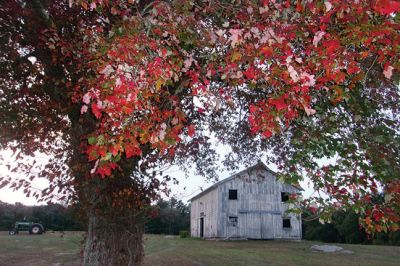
(250, 204)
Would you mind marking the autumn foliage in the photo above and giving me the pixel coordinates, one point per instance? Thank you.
(313, 82)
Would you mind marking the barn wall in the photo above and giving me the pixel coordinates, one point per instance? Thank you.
(208, 205)
(259, 208)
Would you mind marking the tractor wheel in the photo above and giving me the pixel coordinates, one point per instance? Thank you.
(35, 230)
(13, 232)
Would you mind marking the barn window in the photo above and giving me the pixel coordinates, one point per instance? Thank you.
(233, 220)
(286, 223)
(284, 196)
(233, 194)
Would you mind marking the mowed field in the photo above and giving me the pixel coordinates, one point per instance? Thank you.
(52, 249)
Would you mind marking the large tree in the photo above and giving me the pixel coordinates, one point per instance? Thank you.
(112, 91)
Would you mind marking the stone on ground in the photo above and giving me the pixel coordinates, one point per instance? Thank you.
(326, 248)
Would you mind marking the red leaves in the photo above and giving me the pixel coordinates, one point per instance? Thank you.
(267, 51)
(96, 110)
(353, 69)
(367, 199)
(250, 73)
(191, 130)
(386, 7)
(331, 47)
(368, 221)
(136, 104)
(132, 150)
(267, 134)
(114, 149)
(105, 169)
(253, 108)
(377, 215)
(313, 209)
(283, 70)
(269, 117)
(279, 103)
(261, 120)
(92, 152)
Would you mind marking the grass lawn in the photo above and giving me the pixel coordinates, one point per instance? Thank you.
(51, 249)
(46, 249)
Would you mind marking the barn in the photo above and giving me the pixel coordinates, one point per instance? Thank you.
(250, 204)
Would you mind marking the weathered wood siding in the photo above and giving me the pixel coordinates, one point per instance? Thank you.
(259, 208)
(205, 207)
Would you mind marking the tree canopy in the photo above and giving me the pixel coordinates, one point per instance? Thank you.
(113, 90)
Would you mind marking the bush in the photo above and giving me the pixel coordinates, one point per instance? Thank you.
(184, 233)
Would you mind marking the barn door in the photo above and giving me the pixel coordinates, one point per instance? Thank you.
(267, 226)
(232, 226)
(202, 227)
(250, 225)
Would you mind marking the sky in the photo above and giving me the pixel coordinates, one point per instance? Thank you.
(9, 195)
(186, 189)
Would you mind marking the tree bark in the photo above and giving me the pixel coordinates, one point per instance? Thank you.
(115, 225)
(110, 243)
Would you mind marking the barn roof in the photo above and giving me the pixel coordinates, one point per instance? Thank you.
(260, 164)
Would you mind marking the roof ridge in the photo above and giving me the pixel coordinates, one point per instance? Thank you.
(259, 163)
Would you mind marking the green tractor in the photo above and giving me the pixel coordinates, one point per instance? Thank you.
(31, 227)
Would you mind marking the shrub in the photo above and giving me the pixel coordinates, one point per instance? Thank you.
(184, 233)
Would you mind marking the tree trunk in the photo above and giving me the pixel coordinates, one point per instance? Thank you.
(114, 205)
(113, 243)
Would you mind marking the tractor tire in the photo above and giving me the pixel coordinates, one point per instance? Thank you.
(35, 230)
(12, 232)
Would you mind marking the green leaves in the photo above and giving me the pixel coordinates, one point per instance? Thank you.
(92, 140)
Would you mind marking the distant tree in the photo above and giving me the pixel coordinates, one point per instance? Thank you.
(59, 218)
(348, 227)
(344, 228)
(169, 217)
(7, 216)
(52, 216)
(315, 230)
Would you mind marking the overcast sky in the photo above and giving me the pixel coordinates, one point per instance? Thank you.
(186, 189)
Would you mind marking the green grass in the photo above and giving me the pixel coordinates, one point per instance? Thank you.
(51, 249)
(46, 249)
(161, 251)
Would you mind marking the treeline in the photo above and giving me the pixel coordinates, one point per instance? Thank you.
(53, 216)
(344, 228)
(172, 216)
(168, 217)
